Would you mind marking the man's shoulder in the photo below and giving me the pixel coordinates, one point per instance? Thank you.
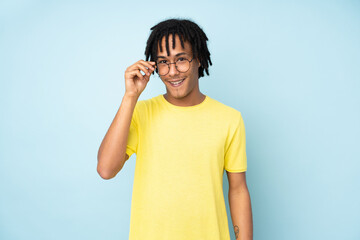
(148, 103)
(224, 108)
(151, 99)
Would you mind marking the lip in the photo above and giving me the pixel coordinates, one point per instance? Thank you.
(183, 80)
(177, 80)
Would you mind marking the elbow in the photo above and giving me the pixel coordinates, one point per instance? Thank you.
(105, 173)
(107, 167)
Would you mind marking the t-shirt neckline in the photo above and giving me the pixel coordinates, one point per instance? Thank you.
(184, 108)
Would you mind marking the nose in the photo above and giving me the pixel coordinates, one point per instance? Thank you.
(173, 71)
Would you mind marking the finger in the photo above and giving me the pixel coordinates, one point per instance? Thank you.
(153, 71)
(147, 77)
(149, 65)
(141, 67)
(149, 70)
(153, 63)
(136, 73)
(138, 66)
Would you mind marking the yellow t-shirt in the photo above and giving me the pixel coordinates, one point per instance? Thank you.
(181, 154)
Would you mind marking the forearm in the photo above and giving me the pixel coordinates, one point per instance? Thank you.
(112, 151)
(241, 214)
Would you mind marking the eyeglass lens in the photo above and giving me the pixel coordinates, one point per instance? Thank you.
(181, 65)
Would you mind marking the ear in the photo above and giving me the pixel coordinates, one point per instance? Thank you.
(199, 64)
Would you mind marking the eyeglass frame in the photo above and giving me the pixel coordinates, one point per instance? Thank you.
(175, 66)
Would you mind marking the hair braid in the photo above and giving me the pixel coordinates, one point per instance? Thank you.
(186, 30)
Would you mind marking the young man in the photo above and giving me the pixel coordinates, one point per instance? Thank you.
(183, 141)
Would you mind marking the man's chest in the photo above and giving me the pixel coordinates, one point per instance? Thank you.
(195, 140)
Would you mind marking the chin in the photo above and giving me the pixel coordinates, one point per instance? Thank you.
(184, 92)
(177, 95)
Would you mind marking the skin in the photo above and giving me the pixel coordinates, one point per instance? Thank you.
(240, 205)
(188, 94)
(135, 82)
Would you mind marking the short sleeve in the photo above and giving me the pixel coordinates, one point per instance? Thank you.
(133, 137)
(235, 151)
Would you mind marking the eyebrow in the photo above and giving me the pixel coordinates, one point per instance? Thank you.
(179, 54)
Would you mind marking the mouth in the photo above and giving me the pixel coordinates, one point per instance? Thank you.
(176, 83)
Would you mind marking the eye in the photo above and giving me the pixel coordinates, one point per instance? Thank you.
(181, 59)
(162, 61)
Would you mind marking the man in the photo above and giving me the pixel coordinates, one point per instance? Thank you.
(183, 141)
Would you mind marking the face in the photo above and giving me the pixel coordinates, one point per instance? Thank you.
(189, 87)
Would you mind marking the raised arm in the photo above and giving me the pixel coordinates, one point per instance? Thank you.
(112, 152)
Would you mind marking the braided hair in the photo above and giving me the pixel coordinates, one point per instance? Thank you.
(187, 31)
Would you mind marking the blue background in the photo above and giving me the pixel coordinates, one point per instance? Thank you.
(291, 68)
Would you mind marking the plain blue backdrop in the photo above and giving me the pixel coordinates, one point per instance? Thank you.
(290, 67)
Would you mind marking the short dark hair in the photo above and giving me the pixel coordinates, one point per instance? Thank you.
(187, 31)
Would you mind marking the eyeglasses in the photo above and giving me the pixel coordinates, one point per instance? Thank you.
(182, 65)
